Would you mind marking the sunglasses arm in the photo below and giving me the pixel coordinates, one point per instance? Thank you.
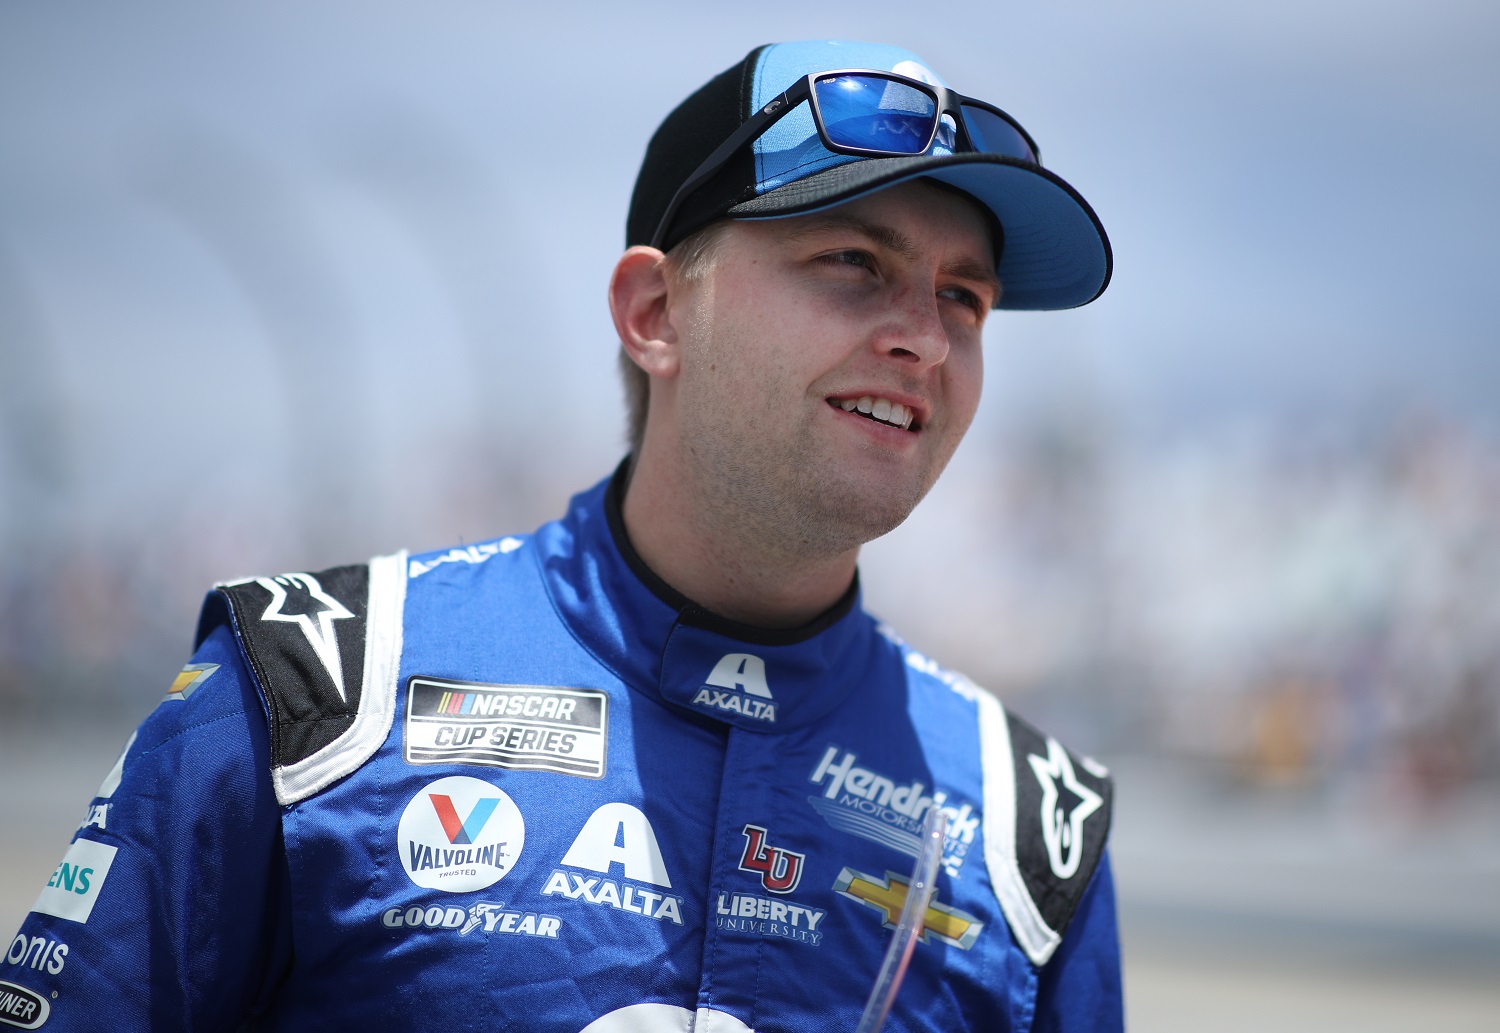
(753, 127)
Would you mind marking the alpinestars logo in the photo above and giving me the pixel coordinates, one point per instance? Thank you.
(460, 834)
(779, 869)
(1066, 805)
(738, 684)
(299, 599)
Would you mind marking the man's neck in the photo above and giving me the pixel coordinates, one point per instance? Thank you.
(714, 566)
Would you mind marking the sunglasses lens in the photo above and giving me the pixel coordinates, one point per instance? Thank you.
(876, 114)
(994, 135)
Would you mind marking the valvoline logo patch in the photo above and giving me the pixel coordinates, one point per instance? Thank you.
(460, 834)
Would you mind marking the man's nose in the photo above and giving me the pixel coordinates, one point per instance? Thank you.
(915, 333)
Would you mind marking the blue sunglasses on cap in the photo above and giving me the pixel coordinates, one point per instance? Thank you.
(873, 114)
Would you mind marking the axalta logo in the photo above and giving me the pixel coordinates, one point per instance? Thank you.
(98, 816)
(472, 555)
(618, 834)
(460, 834)
(779, 869)
(38, 952)
(22, 1008)
(888, 896)
(864, 803)
(491, 914)
(74, 888)
(737, 684)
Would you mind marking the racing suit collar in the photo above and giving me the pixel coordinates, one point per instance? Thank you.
(663, 644)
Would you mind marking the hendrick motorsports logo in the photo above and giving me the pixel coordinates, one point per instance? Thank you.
(460, 834)
(865, 803)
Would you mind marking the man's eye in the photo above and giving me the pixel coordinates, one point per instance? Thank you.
(963, 296)
(859, 259)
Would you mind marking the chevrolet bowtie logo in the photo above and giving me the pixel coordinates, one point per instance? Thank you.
(888, 896)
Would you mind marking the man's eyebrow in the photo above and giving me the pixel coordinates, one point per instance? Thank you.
(886, 237)
(969, 269)
(891, 239)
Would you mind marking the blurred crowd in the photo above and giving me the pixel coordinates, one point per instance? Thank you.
(1293, 611)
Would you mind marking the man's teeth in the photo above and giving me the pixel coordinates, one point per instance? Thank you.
(882, 409)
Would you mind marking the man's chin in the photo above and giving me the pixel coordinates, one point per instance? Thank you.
(853, 516)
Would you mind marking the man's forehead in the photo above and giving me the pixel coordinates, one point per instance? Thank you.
(907, 218)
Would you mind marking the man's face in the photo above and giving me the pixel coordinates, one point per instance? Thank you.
(800, 325)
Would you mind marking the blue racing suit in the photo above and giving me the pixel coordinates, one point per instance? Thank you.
(525, 785)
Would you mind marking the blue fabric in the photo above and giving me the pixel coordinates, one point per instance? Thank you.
(190, 927)
(638, 896)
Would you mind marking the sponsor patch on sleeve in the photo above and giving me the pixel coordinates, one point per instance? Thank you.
(522, 727)
(74, 887)
(21, 1007)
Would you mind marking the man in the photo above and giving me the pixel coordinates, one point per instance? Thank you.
(651, 767)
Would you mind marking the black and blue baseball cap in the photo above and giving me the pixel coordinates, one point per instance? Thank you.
(1053, 251)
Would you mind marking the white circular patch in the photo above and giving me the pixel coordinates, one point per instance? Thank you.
(665, 1018)
(460, 834)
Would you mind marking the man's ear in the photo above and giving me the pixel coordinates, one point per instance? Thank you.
(639, 292)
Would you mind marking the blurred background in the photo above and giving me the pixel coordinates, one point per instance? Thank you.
(285, 286)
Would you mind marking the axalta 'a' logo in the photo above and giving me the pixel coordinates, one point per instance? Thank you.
(888, 896)
(1066, 805)
(618, 837)
(779, 869)
(460, 834)
(730, 686)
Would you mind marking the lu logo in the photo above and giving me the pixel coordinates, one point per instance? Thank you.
(779, 869)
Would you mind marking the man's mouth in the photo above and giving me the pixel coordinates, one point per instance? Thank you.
(881, 410)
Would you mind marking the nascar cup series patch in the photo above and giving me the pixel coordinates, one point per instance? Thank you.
(460, 834)
(522, 727)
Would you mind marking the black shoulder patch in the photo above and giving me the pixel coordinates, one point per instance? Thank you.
(304, 636)
(1062, 821)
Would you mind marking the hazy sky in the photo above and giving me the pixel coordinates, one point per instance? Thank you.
(213, 220)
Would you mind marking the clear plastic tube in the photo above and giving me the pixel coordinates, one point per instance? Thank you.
(909, 926)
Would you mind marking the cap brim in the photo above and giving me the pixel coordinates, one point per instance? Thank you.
(1055, 255)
